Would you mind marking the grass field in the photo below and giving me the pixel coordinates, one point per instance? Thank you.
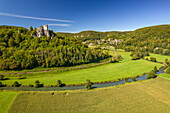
(105, 72)
(165, 75)
(159, 58)
(150, 96)
(6, 100)
(111, 71)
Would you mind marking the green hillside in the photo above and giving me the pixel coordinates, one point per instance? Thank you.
(19, 49)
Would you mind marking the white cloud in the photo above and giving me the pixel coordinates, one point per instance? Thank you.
(58, 24)
(36, 18)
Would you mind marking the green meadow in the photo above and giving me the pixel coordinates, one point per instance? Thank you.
(165, 75)
(6, 100)
(159, 58)
(106, 72)
(150, 96)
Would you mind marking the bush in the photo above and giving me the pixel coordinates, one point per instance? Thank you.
(167, 61)
(167, 70)
(37, 83)
(30, 85)
(59, 84)
(1, 77)
(135, 57)
(153, 59)
(151, 74)
(155, 69)
(119, 58)
(133, 78)
(88, 84)
(1, 84)
(113, 60)
(16, 84)
(126, 79)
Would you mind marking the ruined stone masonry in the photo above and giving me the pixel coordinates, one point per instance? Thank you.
(43, 31)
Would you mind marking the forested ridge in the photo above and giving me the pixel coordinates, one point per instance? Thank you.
(20, 50)
(154, 39)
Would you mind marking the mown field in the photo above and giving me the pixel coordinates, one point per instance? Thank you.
(159, 58)
(111, 71)
(150, 96)
(6, 100)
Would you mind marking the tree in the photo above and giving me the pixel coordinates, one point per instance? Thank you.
(151, 74)
(1, 84)
(31, 28)
(153, 59)
(1, 77)
(167, 61)
(16, 84)
(155, 69)
(167, 70)
(59, 84)
(37, 83)
(88, 84)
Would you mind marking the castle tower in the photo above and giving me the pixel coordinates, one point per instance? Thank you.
(45, 27)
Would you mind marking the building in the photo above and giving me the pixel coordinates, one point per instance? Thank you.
(43, 31)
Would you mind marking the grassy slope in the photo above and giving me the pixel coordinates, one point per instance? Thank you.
(6, 99)
(159, 58)
(105, 72)
(151, 96)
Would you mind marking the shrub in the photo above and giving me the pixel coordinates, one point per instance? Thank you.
(151, 74)
(119, 57)
(167, 61)
(113, 60)
(30, 85)
(88, 84)
(155, 69)
(167, 70)
(126, 79)
(1, 77)
(37, 83)
(133, 78)
(135, 57)
(16, 84)
(59, 84)
(1, 84)
(153, 59)
(147, 59)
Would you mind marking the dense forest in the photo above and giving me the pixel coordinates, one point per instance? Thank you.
(20, 50)
(155, 39)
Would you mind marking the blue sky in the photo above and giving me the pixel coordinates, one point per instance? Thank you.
(80, 15)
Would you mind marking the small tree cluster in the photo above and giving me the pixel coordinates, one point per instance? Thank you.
(153, 59)
(167, 70)
(88, 84)
(1, 77)
(16, 84)
(151, 74)
(155, 69)
(1, 84)
(59, 84)
(37, 83)
(167, 62)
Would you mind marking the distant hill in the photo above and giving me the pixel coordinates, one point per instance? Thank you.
(153, 39)
(95, 35)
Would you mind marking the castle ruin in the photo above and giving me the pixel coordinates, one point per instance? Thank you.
(43, 31)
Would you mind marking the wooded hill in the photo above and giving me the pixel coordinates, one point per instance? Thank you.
(153, 39)
(20, 50)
